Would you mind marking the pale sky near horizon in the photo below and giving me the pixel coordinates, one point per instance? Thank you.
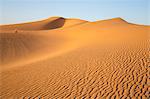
(18, 11)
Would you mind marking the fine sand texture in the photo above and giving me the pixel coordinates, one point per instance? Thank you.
(60, 58)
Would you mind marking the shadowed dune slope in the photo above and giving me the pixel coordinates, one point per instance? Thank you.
(106, 59)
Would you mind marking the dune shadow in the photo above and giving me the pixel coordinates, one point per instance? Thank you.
(58, 23)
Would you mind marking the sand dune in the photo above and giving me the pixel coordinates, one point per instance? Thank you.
(48, 24)
(60, 58)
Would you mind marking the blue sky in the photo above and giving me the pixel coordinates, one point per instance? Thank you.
(17, 11)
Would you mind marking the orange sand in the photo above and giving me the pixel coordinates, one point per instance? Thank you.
(60, 58)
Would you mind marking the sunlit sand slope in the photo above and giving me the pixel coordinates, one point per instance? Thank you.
(95, 60)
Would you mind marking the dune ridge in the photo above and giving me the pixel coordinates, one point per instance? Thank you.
(63, 58)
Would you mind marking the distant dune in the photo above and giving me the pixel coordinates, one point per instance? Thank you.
(59, 58)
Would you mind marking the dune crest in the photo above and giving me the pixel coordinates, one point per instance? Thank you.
(62, 58)
(118, 19)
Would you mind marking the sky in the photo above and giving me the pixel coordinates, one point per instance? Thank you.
(18, 11)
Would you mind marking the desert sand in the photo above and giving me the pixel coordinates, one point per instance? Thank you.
(60, 58)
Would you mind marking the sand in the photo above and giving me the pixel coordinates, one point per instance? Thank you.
(61, 58)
